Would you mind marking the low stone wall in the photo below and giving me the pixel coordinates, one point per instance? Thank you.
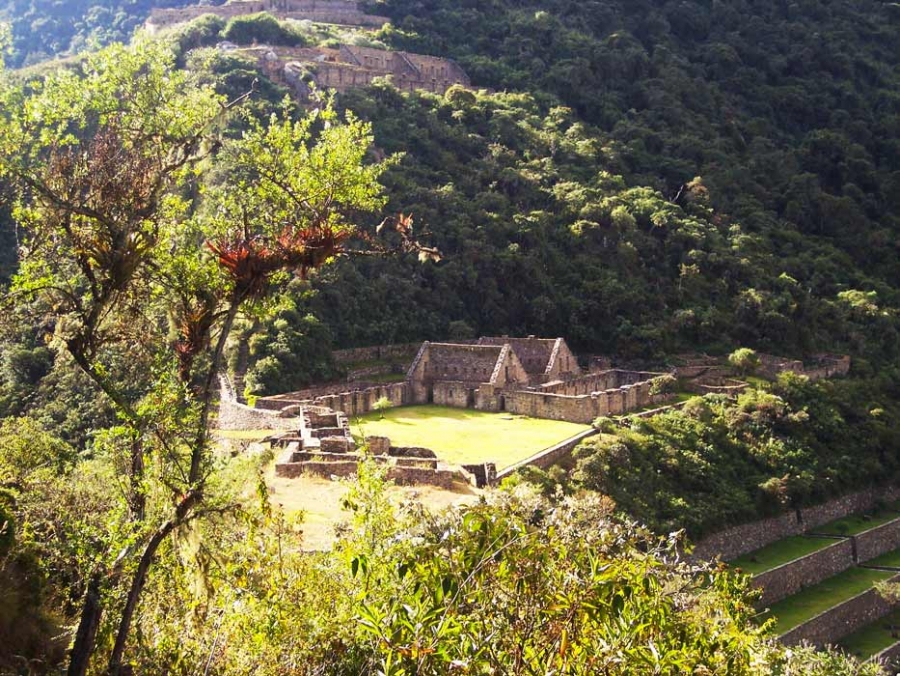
(738, 540)
(443, 478)
(788, 579)
(235, 416)
(742, 539)
(889, 657)
(837, 622)
(548, 457)
(400, 351)
(877, 541)
(585, 408)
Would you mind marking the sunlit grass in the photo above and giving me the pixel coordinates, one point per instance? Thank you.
(779, 553)
(466, 436)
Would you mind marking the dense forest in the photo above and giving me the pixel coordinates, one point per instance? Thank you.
(643, 178)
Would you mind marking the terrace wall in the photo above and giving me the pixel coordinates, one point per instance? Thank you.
(232, 415)
(889, 657)
(788, 579)
(877, 541)
(835, 623)
(742, 539)
(548, 457)
(442, 478)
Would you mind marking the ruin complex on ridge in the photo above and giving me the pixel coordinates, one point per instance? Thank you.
(351, 66)
(342, 68)
(344, 12)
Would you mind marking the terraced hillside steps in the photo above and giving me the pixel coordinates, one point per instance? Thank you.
(829, 611)
(879, 640)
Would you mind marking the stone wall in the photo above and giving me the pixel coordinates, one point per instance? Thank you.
(877, 541)
(742, 539)
(597, 382)
(548, 457)
(232, 415)
(808, 570)
(837, 622)
(455, 394)
(361, 402)
(584, 408)
(440, 477)
(889, 657)
(739, 540)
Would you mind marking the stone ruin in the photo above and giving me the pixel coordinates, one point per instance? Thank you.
(350, 66)
(323, 446)
(531, 376)
(341, 12)
(341, 69)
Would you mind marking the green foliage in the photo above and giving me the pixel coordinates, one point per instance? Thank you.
(262, 29)
(289, 353)
(717, 463)
(744, 361)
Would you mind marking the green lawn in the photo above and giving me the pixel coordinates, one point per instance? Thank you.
(780, 552)
(463, 436)
(889, 560)
(857, 523)
(873, 638)
(811, 601)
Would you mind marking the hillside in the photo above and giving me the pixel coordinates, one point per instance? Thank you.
(643, 178)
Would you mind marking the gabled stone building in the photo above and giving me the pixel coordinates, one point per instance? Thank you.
(476, 376)
(464, 376)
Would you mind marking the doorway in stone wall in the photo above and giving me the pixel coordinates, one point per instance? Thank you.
(470, 398)
(430, 394)
(502, 403)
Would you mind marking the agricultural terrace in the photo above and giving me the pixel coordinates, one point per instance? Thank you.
(808, 603)
(779, 553)
(873, 638)
(466, 436)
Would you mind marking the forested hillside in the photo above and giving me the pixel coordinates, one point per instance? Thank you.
(643, 178)
(657, 177)
(43, 29)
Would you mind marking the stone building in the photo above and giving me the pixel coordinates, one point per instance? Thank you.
(538, 377)
(544, 359)
(353, 66)
(464, 376)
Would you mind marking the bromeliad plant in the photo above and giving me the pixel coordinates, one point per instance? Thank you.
(140, 264)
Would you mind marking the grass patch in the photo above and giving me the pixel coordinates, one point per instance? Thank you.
(889, 560)
(463, 436)
(756, 381)
(873, 638)
(858, 523)
(814, 600)
(780, 552)
(246, 435)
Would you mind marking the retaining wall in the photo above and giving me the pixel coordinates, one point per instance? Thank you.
(739, 540)
(835, 623)
(806, 571)
(442, 478)
(889, 657)
(877, 541)
(547, 457)
(233, 415)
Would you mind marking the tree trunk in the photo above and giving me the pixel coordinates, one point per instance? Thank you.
(91, 612)
(140, 578)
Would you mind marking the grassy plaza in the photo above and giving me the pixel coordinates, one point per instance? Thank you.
(464, 435)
